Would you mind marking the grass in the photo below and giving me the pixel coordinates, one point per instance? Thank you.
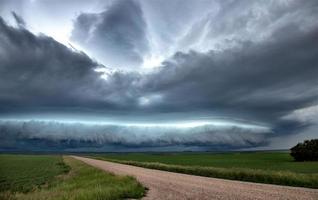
(263, 167)
(83, 182)
(23, 173)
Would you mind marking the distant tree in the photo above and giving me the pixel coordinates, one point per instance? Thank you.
(306, 151)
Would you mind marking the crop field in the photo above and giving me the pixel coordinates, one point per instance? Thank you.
(277, 161)
(263, 167)
(55, 177)
(22, 173)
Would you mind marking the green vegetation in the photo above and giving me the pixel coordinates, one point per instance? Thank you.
(306, 151)
(275, 161)
(263, 167)
(81, 183)
(22, 173)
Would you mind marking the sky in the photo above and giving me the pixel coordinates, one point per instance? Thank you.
(157, 75)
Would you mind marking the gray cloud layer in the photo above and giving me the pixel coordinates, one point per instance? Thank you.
(259, 76)
(116, 36)
(263, 79)
(38, 71)
(35, 135)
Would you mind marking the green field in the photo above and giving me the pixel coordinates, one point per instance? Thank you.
(264, 167)
(54, 177)
(277, 161)
(24, 172)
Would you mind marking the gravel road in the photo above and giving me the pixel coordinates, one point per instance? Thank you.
(168, 185)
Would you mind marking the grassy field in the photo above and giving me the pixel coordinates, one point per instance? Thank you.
(263, 167)
(81, 182)
(276, 161)
(23, 173)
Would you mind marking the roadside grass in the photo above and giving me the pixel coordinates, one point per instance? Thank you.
(261, 167)
(274, 161)
(83, 182)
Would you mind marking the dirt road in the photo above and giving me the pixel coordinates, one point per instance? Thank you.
(167, 185)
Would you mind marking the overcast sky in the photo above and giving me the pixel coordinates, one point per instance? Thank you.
(157, 75)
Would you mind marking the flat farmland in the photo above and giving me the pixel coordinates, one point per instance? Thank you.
(46, 177)
(25, 172)
(263, 167)
(277, 161)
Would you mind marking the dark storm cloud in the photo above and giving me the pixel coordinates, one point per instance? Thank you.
(269, 77)
(38, 71)
(35, 135)
(117, 36)
(255, 79)
(261, 80)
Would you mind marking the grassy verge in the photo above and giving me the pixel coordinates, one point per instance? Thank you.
(280, 177)
(83, 182)
(274, 161)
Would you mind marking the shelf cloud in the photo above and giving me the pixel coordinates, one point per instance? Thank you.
(208, 60)
(57, 136)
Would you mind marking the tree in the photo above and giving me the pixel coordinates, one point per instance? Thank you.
(306, 151)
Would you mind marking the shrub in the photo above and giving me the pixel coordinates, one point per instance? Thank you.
(306, 151)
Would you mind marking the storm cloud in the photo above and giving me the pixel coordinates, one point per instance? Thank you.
(116, 36)
(255, 63)
(262, 79)
(37, 70)
(35, 135)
